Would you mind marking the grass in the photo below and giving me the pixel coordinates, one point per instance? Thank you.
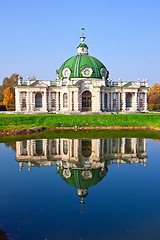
(48, 134)
(23, 121)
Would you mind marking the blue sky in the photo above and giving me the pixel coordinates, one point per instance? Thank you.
(37, 36)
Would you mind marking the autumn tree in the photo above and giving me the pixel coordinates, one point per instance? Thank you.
(154, 94)
(154, 97)
(1, 94)
(9, 98)
(8, 83)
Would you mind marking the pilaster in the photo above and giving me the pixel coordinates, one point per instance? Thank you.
(119, 101)
(124, 101)
(102, 100)
(145, 101)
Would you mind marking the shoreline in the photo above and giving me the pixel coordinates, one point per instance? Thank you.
(15, 132)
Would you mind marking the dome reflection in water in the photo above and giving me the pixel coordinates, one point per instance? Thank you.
(81, 163)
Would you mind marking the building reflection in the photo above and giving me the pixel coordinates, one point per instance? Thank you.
(82, 163)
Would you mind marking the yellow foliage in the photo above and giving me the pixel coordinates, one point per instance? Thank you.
(9, 98)
(154, 94)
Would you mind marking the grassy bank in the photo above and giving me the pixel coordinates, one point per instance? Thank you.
(22, 121)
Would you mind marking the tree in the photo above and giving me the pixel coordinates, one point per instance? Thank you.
(154, 94)
(9, 99)
(1, 94)
(8, 83)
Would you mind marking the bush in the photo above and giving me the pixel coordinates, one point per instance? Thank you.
(10, 107)
(154, 107)
(3, 108)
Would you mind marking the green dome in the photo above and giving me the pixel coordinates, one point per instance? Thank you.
(82, 45)
(77, 63)
(76, 179)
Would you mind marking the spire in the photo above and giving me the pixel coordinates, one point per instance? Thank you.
(82, 37)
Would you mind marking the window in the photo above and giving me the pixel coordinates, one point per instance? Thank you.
(23, 100)
(38, 100)
(65, 100)
(23, 103)
(39, 147)
(128, 100)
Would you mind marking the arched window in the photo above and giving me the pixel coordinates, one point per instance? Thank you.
(86, 101)
(23, 100)
(86, 148)
(38, 100)
(129, 100)
(65, 147)
(65, 100)
(53, 99)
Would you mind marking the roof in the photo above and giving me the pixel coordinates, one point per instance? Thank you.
(76, 179)
(82, 45)
(79, 62)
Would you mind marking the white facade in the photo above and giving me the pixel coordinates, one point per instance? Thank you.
(81, 95)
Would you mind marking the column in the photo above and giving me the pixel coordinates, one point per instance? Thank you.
(32, 146)
(98, 146)
(135, 145)
(61, 100)
(136, 105)
(49, 101)
(111, 144)
(76, 145)
(18, 101)
(102, 100)
(45, 147)
(57, 103)
(145, 143)
(118, 145)
(98, 101)
(70, 103)
(108, 101)
(111, 101)
(123, 146)
(77, 103)
(145, 102)
(138, 98)
(28, 147)
(27, 101)
(119, 101)
(124, 101)
(45, 101)
(31, 96)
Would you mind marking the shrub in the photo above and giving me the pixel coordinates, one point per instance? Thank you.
(154, 107)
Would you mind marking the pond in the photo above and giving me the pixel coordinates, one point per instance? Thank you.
(80, 188)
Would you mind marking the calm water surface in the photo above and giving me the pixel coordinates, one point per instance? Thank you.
(80, 189)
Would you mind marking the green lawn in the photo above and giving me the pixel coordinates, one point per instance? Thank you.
(23, 121)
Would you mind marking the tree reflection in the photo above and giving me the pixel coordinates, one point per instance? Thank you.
(3, 235)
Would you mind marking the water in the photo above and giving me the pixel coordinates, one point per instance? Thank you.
(65, 188)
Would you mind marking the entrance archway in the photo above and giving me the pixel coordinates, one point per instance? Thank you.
(86, 101)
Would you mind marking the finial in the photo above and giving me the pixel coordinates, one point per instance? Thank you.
(82, 31)
(82, 37)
